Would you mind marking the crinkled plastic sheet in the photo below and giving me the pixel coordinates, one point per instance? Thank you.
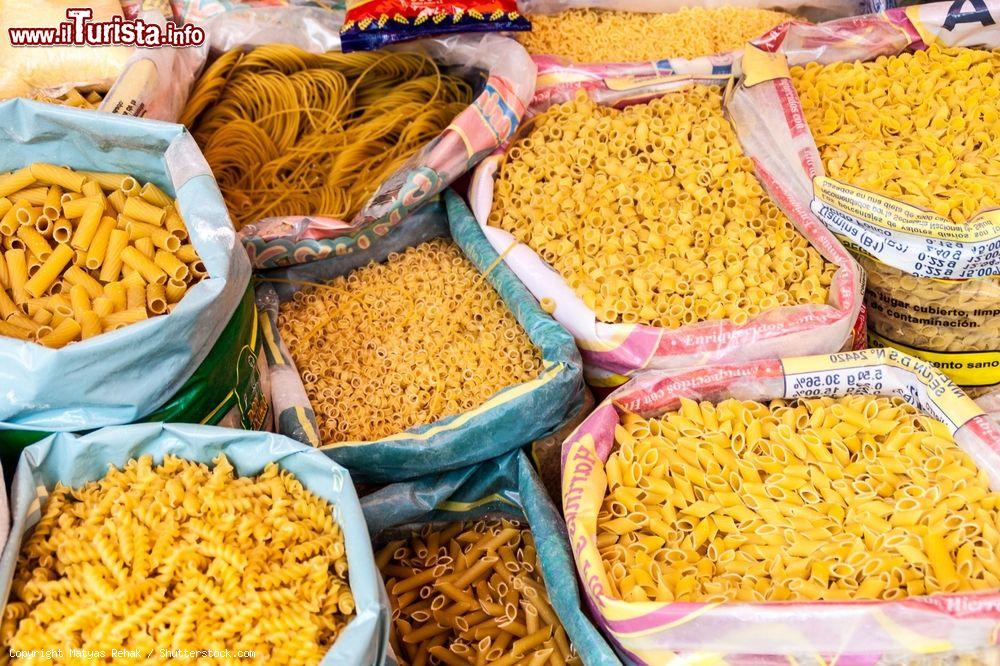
(813, 9)
(911, 631)
(121, 376)
(612, 352)
(771, 122)
(491, 119)
(512, 418)
(75, 461)
(509, 487)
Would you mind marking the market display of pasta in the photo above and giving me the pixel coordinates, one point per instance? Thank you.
(652, 213)
(468, 593)
(183, 556)
(851, 498)
(294, 133)
(602, 35)
(86, 253)
(404, 343)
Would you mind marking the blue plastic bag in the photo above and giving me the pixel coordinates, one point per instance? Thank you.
(512, 418)
(79, 460)
(123, 375)
(507, 486)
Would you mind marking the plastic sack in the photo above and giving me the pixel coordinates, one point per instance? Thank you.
(933, 286)
(372, 25)
(230, 388)
(121, 376)
(512, 418)
(506, 486)
(613, 352)
(738, 633)
(506, 78)
(75, 461)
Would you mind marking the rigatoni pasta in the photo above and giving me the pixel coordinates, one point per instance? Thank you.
(182, 556)
(72, 253)
(599, 35)
(653, 215)
(849, 498)
(471, 593)
(403, 343)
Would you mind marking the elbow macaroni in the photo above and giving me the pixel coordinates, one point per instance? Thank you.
(859, 497)
(182, 556)
(471, 593)
(653, 215)
(403, 343)
(597, 35)
(63, 229)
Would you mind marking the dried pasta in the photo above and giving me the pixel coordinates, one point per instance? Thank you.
(471, 593)
(403, 343)
(64, 231)
(653, 215)
(73, 97)
(288, 132)
(858, 497)
(598, 35)
(182, 556)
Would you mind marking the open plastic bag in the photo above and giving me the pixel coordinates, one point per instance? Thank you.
(121, 376)
(737, 633)
(510, 419)
(75, 461)
(506, 79)
(613, 352)
(933, 286)
(508, 487)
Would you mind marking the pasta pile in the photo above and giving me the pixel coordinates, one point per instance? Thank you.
(288, 132)
(75, 98)
(859, 497)
(86, 253)
(597, 35)
(919, 127)
(471, 593)
(181, 556)
(404, 343)
(652, 214)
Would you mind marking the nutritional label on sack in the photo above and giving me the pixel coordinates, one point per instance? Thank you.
(914, 240)
(880, 372)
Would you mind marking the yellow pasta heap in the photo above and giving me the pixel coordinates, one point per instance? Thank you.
(920, 127)
(471, 593)
(75, 98)
(87, 252)
(288, 132)
(858, 497)
(404, 343)
(598, 35)
(180, 556)
(652, 214)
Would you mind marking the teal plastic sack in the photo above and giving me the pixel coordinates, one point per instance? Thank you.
(512, 418)
(78, 460)
(124, 375)
(505, 486)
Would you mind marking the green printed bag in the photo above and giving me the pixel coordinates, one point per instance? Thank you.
(512, 418)
(507, 487)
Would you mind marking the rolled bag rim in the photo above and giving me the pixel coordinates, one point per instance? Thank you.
(88, 455)
(190, 330)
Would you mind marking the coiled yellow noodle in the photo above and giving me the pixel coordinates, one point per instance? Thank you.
(288, 132)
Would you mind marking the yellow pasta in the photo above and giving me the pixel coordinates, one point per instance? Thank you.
(73, 241)
(858, 497)
(471, 593)
(403, 343)
(598, 35)
(294, 133)
(653, 215)
(199, 557)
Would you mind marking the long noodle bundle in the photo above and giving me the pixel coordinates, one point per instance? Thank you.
(288, 132)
